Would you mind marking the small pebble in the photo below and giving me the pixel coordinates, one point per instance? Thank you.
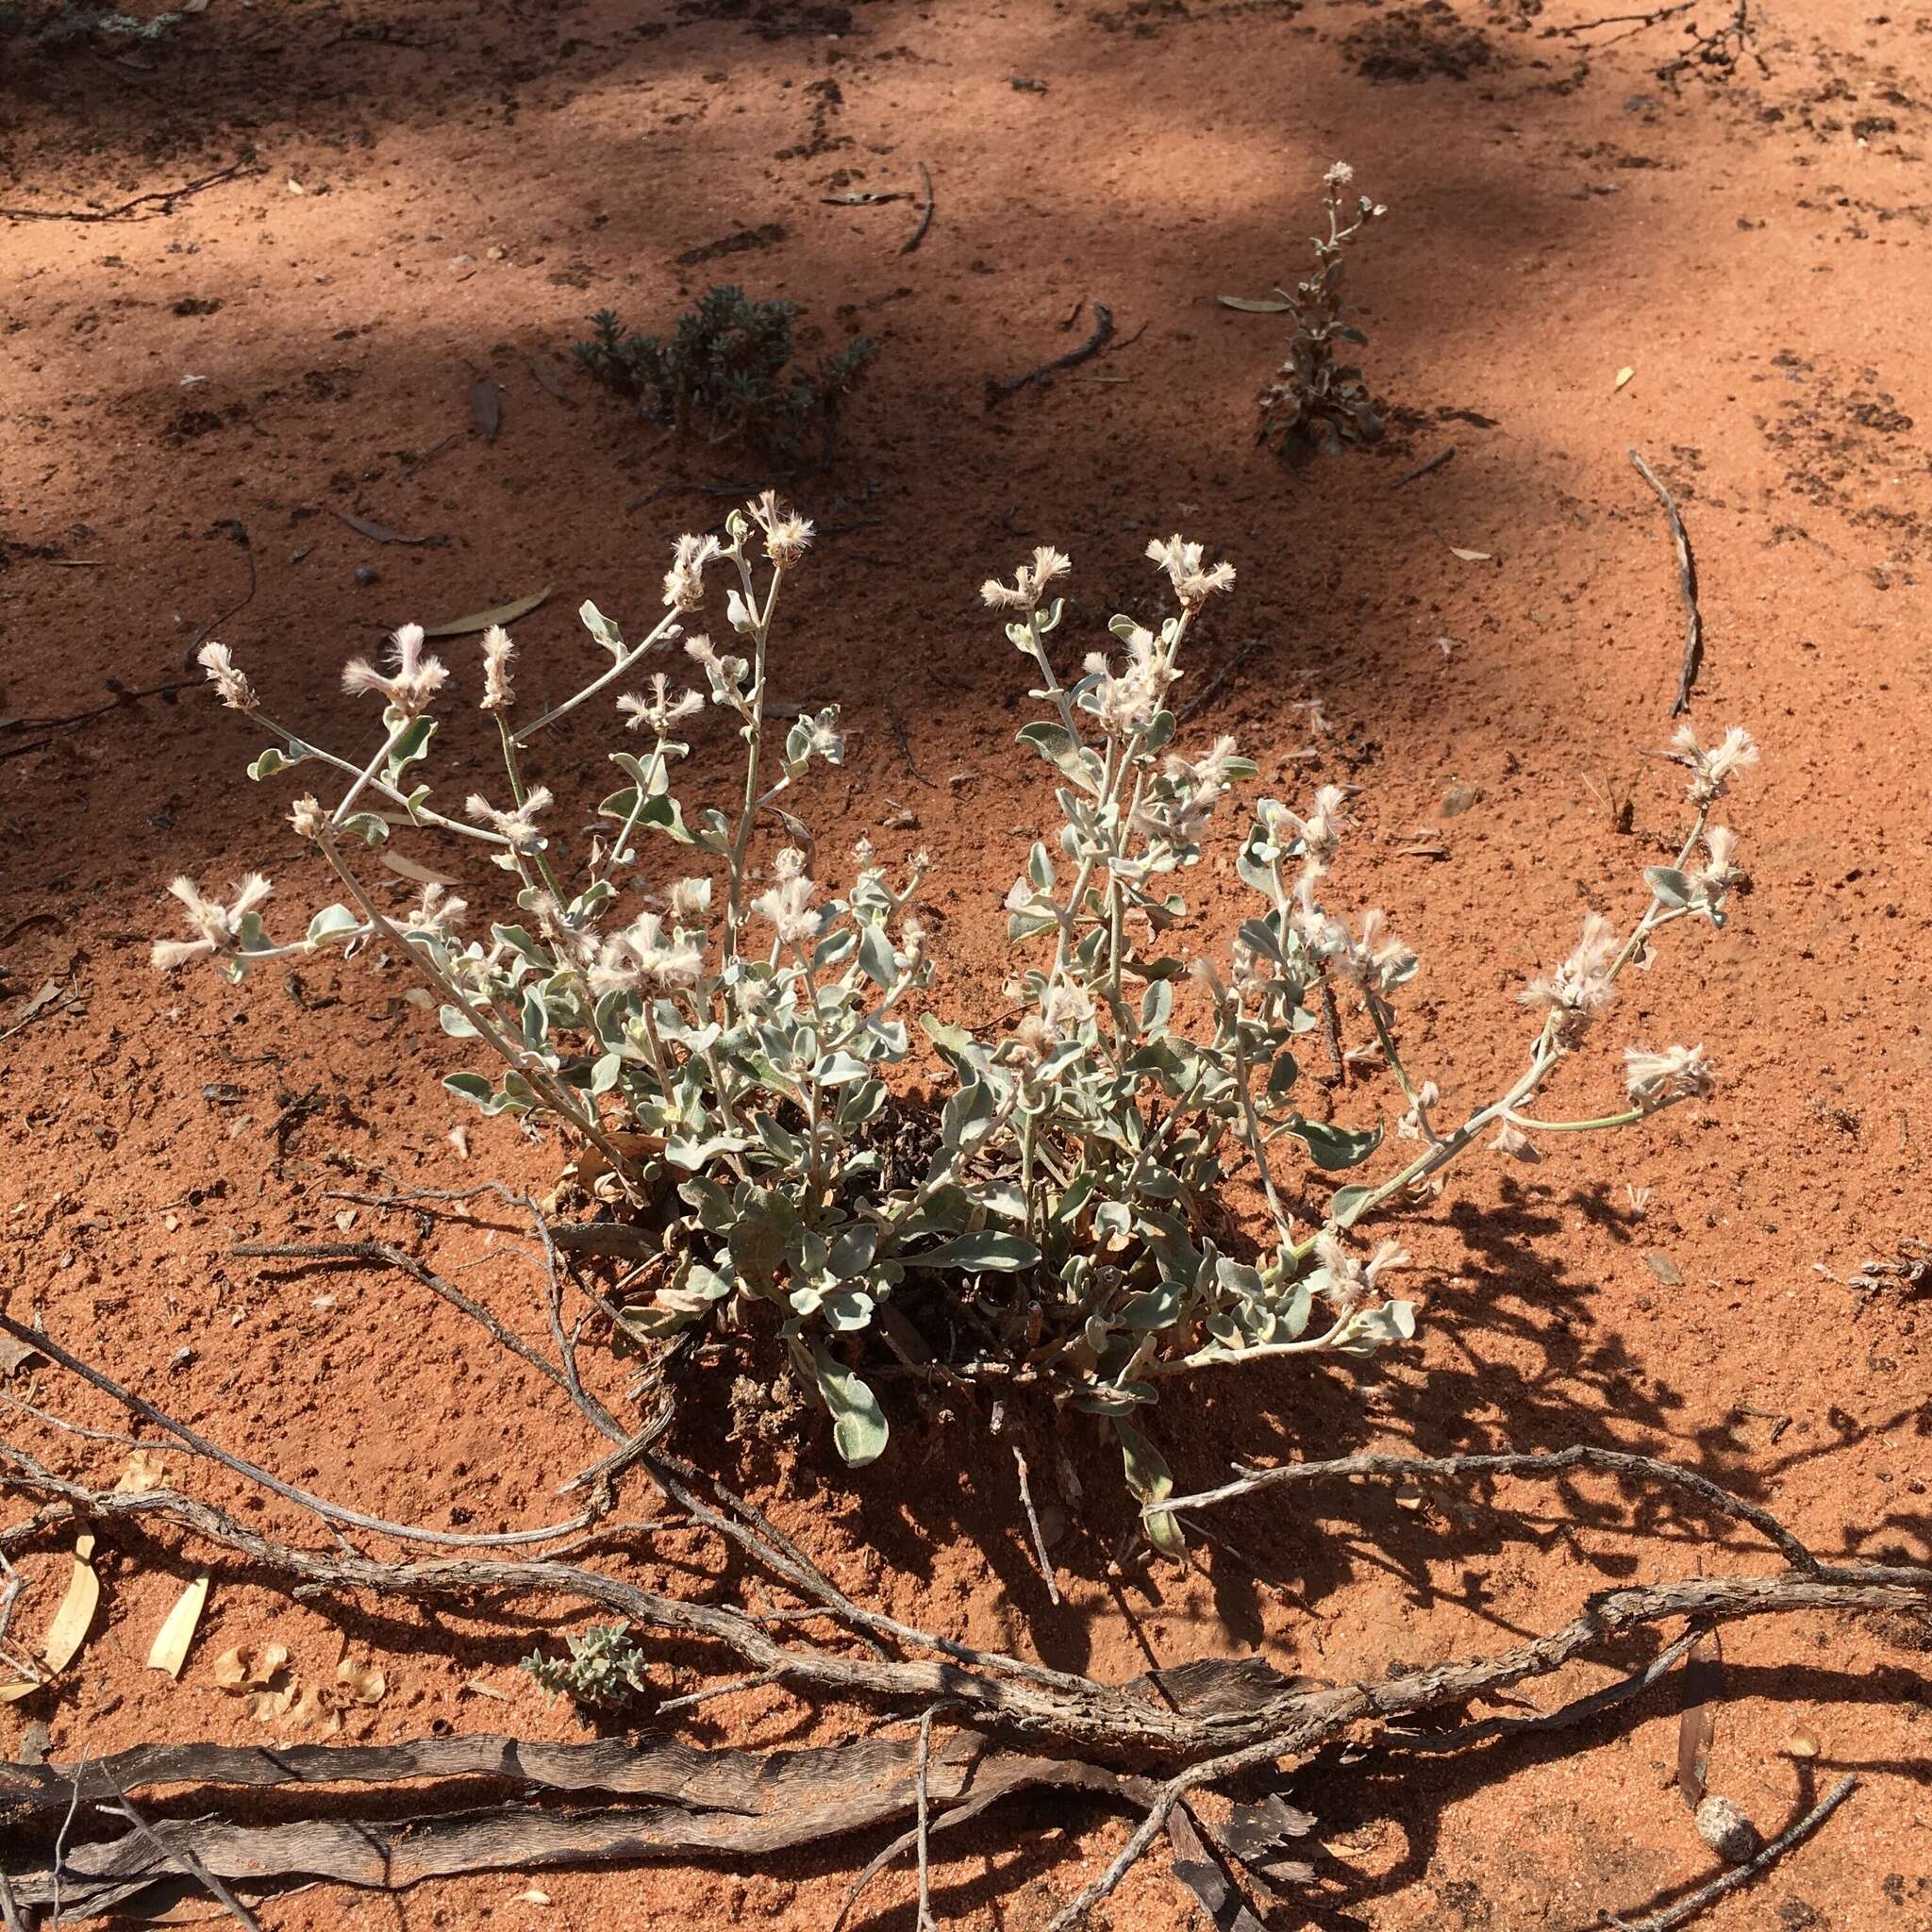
(365, 574)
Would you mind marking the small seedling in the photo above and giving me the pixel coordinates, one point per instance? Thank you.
(1316, 405)
(726, 372)
(605, 1669)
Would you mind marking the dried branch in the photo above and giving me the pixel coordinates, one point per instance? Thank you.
(1552, 1463)
(1740, 1875)
(996, 390)
(1686, 588)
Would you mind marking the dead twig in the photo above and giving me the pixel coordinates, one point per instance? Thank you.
(1740, 1875)
(166, 197)
(1686, 588)
(183, 1857)
(1433, 464)
(925, 212)
(997, 392)
(1053, 1588)
(1540, 1463)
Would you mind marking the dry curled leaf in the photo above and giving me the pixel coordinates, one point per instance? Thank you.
(316, 1709)
(170, 1649)
(143, 1472)
(1801, 1744)
(271, 1706)
(362, 1683)
(482, 620)
(250, 1666)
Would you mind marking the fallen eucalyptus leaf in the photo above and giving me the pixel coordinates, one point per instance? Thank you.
(170, 1650)
(1665, 1269)
(407, 868)
(75, 1616)
(482, 620)
(1623, 376)
(380, 533)
(1470, 556)
(1255, 305)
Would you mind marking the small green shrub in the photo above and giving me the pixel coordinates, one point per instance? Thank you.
(1316, 404)
(726, 372)
(605, 1669)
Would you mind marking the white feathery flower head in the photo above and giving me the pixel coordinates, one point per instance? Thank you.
(684, 582)
(1181, 561)
(217, 928)
(1029, 582)
(1580, 989)
(436, 913)
(787, 537)
(1679, 1073)
(410, 684)
(1128, 704)
(497, 649)
(788, 905)
(307, 817)
(518, 827)
(1512, 1141)
(1711, 767)
(232, 686)
(662, 711)
(644, 952)
(788, 863)
(1346, 1282)
(1338, 175)
(691, 902)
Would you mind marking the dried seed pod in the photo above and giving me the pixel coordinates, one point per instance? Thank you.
(1724, 1829)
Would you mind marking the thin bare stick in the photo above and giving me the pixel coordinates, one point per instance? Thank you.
(306, 1499)
(1686, 588)
(1052, 1589)
(1740, 1875)
(693, 1698)
(926, 1918)
(1553, 1462)
(924, 214)
(183, 1860)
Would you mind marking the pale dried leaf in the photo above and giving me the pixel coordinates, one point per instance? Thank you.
(364, 1683)
(142, 1473)
(75, 1616)
(250, 1666)
(1470, 556)
(1623, 376)
(482, 620)
(1800, 1744)
(271, 1706)
(1256, 305)
(1665, 1269)
(401, 863)
(170, 1650)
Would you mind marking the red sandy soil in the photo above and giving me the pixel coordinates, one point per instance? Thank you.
(437, 192)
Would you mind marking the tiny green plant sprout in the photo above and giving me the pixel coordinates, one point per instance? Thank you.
(1317, 405)
(603, 1669)
(730, 1033)
(726, 372)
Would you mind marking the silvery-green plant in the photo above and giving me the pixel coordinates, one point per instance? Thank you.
(726, 1043)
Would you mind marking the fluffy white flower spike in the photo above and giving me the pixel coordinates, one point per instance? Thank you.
(1193, 584)
(1029, 582)
(217, 928)
(787, 537)
(662, 711)
(1679, 1073)
(413, 680)
(233, 688)
(519, 826)
(1580, 989)
(498, 650)
(684, 582)
(1712, 768)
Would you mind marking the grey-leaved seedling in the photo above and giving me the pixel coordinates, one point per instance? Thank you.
(1317, 405)
(1054, 1220)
